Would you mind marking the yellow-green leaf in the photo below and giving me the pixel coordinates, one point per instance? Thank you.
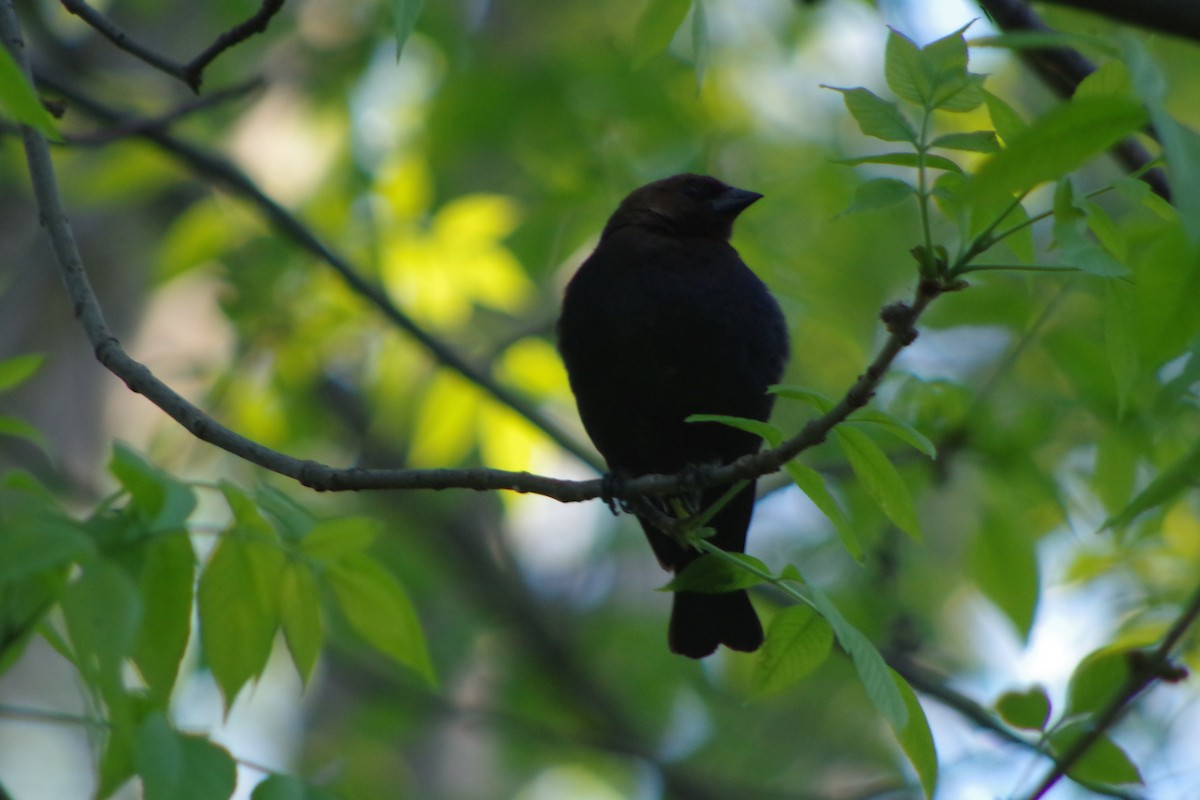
(378, 609)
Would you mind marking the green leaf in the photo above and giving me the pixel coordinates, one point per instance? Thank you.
(903, 70)
(238, 597)
(879, 193)
(1118, 453)
(175, 766)
(116, 765)
(916, 739)
(157, 498)
(1099, 677)
(712, 574)
(1029, 709)
(18, 369)
(1104, 762)
(903, 160)
(166, 588)
(102, 612)
(975, 141)
(1020, 241)
(1005, 119)
(404, 18)
(656, 28)
(1003, 563)
(1070, 226)
(948, 190)
(764, 430)
(300, 617)
(1120, 344)
(19, 100)
(35, 536)
(814, 398)
(933, 77)
(23, 606)
(1166, 486)
(196, 236)
(11, 426)
(879, 479)
(798, 641)
(877, 117)
(378, 609)
(288, 787)
(1111, 78)
(1106, 230)
(1180, 145)
(1055, 144)
(874, 673)
(330, 540)
(812, 483)
(953, 88)
(901, 430)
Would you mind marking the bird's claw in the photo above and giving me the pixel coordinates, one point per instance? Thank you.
(612, 485)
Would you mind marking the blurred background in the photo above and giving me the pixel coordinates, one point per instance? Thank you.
(470, 176)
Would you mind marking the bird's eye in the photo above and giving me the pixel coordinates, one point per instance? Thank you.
(696, 191)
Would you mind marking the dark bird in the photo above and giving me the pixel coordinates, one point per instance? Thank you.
(662, 321)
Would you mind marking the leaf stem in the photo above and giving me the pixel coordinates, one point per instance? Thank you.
(1015, 268)
(923, 194)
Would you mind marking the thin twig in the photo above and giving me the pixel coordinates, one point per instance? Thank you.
(194, 71)
(191, 73)
(106, 28)
(136, 127)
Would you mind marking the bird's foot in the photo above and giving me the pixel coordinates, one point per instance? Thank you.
(612, 485)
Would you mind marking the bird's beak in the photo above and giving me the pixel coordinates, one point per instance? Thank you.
(733, 201)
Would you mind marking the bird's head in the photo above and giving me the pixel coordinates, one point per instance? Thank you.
(683, 205)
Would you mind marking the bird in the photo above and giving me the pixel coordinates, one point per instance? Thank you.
(664, 320)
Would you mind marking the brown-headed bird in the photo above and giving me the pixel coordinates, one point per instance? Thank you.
(663, 321)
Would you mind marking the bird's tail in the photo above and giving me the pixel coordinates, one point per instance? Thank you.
(700, 622)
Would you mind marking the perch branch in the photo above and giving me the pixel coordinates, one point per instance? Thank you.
(321, 477)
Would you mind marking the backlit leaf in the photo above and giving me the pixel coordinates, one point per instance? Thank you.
(879, 478)
(798, 641)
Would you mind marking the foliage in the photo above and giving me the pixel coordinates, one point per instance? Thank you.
(1037, 438)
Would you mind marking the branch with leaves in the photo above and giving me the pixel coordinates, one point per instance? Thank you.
(988, 206)
(1063, 68)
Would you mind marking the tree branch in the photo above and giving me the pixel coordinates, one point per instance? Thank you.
(1145, 669)
(191, 73)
